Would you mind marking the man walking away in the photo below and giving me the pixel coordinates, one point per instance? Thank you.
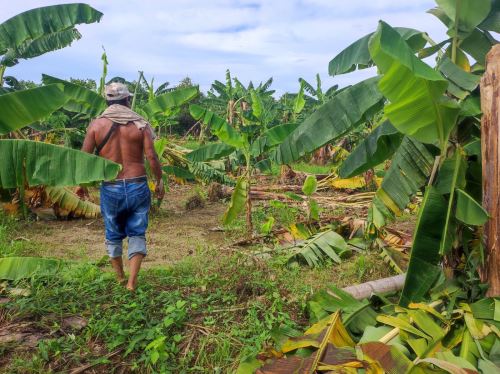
(123, 136)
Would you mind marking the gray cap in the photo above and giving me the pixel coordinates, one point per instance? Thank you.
(117, 91)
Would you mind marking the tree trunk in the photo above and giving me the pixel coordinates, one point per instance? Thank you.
(365, 290)
(490, 151)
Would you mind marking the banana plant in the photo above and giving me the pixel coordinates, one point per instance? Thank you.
(247, 135)
(41, 30)
(429, 124)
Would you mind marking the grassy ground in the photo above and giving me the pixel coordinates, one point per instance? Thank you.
(200, 307)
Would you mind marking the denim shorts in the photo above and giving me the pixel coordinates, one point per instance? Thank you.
(125, 210)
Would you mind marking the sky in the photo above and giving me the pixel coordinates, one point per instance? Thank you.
(255, 39)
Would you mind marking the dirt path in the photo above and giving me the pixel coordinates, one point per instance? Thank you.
(173, 233)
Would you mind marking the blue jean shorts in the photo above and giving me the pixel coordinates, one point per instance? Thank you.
(125, 209)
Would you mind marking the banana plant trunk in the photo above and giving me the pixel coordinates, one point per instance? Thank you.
(490, 152)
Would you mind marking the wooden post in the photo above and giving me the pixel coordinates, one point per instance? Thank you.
(490, 151)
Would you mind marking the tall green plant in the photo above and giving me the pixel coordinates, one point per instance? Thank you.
(41, 30)
(430, 121)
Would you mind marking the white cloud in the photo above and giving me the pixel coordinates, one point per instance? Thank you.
(256, 39)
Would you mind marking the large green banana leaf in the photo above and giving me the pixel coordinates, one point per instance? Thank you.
(22, 108)
(170, 100)
(423, 268)
(44, 44)
(332, 120)
(373, 150)
(358, 56)
(418, 106)
(80, 99)
(51, 165)
(210, 152)
(409, 170)
(33, 24)
(218, 126)
(16, 268)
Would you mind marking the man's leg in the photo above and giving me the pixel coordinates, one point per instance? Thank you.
(115, 230)
(135, 266)
(137, 223)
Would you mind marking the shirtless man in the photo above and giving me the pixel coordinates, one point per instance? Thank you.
(125, 201)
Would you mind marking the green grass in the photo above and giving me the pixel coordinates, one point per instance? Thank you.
(202, 315)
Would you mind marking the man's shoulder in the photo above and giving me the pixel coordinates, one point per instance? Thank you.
(99, 124)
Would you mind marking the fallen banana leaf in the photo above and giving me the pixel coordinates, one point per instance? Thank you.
(16, 268)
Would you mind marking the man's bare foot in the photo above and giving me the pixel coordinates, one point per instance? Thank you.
(131, 288)
(117, 264)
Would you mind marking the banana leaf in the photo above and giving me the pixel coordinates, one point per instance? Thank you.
(451, 177)
(238, 199)
(207, 173)
(424, 268)
(418, 106)
(218, 126)
(410, 167)
(320, 246)
(469, 211)
(50, 165)
(71, 204)
(40, 46)
(492, 22)
(16, 268)
(210, 152)
(36, 23)
(22, 108)
(178, 172)
(80, 99)
(332, 120)
(269, 138)
(357, 56)
(373, 150)
(470, 13)
(170, 100)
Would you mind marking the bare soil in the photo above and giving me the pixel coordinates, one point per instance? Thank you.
(173, 232)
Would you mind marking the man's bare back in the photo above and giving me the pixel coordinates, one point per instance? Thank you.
(126, 146)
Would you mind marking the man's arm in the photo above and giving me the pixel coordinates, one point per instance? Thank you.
(154, 163)
(88, 146)
(89, 143)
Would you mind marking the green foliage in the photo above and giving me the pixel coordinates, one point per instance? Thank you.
(357, 56)
(52, 165)
(310, 185)
(80, 99)
(22, 108)
(379, 146)
(418, 107)
(331, 121)
(239, 304)
(17, 268)
(37, 31)
(238, 199)
(325, 244)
